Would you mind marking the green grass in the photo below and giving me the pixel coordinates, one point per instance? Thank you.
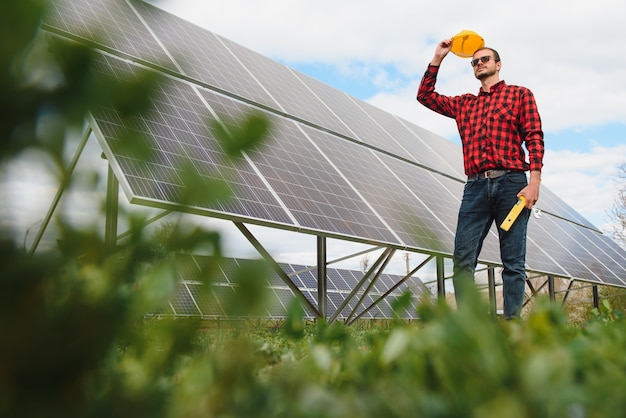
(455, 364)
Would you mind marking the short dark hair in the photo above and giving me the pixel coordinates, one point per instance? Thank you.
(496, 56)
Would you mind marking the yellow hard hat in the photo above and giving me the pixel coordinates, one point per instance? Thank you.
(465, 43)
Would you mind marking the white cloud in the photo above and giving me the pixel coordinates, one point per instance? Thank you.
(587, 181)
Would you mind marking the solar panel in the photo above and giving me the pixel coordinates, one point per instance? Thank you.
(203, 56)
(586, 247)
(308, 280)
(437, 145)
(401, 141)
(551, 203)
(183, 303)
(164, 311)
(311, 296)
(177, 128)
(559, 247)
(333, 165)
(540, 258)
(111, 24)
(312, 190)
(193, 299)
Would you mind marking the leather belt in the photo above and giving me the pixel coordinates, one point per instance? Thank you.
(489, 174)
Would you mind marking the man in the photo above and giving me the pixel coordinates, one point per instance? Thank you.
(493, 125)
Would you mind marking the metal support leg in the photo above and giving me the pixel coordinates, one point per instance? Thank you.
(371, 284)
(391, 289)
(596, 297)
(441, 284)
(148, 222)
(285, 278)
(551, 288)
(491, 278)
(354, 291)
(567, 292)
(112, 204)
(321, 277)
(64, 183)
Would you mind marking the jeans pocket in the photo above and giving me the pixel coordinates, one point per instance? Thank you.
(518, 178)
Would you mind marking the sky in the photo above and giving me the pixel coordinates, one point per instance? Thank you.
(570, 54)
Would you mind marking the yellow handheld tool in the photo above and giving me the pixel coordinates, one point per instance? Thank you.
(513, 214)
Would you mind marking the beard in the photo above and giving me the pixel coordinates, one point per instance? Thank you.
(485, 74)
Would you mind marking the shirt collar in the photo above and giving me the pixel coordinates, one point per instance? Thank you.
(498, 86)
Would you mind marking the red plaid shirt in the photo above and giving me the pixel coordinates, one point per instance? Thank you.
(493, 126)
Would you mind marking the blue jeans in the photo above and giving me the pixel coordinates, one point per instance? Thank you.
(486, 201)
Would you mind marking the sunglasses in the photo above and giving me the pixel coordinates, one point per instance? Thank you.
(484, 60)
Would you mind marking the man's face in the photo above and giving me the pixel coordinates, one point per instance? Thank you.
(484, 64)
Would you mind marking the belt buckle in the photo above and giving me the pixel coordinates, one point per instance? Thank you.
(489, 173)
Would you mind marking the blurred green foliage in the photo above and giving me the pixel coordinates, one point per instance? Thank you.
(75, 341)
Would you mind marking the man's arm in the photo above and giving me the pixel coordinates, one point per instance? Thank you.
(533, 133)
(426, 93)
(531, 192)
(441, 51)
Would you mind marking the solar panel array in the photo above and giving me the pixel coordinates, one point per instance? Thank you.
(192, 299)
(334, 165)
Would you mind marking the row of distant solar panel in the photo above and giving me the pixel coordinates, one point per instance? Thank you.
(192, 299)
(333, 166)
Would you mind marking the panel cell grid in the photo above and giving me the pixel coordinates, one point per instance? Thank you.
(397, 205)
(449, 151)
(202, 55)
(309, 280)
(183, 302)
(361, 126)
(179, 106)
(557, 248)
(401, 142)
(293, 96)
(313, 191)
(551, 203)
(111, 23)
(587, 247)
